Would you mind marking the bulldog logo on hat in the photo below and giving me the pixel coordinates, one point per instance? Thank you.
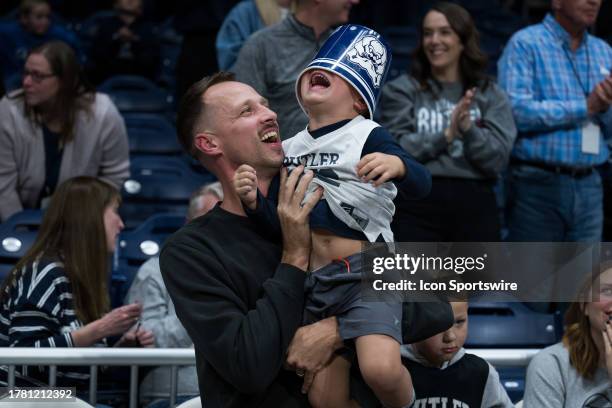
(357, 54)
(371, 55)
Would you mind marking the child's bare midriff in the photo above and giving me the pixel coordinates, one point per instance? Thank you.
(327, 247)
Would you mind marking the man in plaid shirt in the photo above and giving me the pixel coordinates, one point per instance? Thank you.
(558, 79)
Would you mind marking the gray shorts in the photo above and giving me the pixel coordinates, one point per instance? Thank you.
(335, 290)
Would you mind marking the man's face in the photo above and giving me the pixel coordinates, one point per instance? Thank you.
(244, 126)
(443, 346)
(38, 20)
(580, 13)
(336, 11)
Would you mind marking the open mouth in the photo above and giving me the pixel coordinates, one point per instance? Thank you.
(269, 136)
(318, 79)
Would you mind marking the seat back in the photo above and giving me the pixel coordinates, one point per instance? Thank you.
(17, 234)
(150, 133)
(132, 93)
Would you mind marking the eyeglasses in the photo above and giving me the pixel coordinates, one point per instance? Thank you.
(36, 76)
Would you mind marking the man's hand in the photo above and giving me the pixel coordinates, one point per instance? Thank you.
(312, 348)
(380, 168)
(245, 184)
(600, 97)
(294, 216)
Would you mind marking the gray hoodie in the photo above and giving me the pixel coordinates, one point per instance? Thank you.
(418, 120)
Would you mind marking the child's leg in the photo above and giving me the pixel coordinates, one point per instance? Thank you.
(330, 387)
(381, 366)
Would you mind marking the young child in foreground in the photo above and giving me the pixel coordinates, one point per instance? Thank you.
(444, 375)
(356, 162)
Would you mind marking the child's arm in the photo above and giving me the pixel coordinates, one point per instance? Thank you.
(381, 155)
(260, 209)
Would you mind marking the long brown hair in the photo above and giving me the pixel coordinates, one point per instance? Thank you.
(72, 231)
(472, 62)
(583, 352)
(75, 92)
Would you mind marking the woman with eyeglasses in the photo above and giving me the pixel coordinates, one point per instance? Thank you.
(56, 127)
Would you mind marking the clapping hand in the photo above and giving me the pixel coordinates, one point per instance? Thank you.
(461, 119)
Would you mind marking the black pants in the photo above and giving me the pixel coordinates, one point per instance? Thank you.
(456, 210)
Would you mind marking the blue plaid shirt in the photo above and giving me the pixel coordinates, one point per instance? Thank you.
(548, 93)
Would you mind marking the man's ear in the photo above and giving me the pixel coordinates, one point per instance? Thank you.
(206, 143)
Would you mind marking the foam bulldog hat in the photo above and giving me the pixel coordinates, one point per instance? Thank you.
(357, 54)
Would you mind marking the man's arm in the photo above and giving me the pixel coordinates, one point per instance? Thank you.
(245, 346)
(518, 77)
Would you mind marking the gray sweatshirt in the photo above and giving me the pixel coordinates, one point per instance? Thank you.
(271, 60)
(494, 394)
(418, 120)
(552, 382)
(158, 315)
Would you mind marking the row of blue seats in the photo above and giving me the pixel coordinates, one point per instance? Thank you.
(492, 325)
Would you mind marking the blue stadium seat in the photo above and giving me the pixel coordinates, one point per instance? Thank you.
(17, 234)
(150, 133)
(136, 246)
(158, 184)
(513, 380)
(133, 93)
(511, 324)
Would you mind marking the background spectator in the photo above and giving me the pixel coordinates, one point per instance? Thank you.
(125, 43)
(443, 371)
(34, 28)
(243, 20)
(159, 316)
(57, 295)
(577, 372)
(272, 58)
(204, 199)
(198, 22)
(55, 128)
(452, 118)
(557, 78)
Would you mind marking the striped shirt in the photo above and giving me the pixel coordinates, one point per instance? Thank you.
(38, 311)
(547, 84)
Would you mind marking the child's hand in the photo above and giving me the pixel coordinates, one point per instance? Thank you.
(380, 168)
(245, 184)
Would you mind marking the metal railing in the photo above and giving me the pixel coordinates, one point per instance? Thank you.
(94, 357)
(174, 357)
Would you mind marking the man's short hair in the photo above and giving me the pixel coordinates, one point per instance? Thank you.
(192, 109)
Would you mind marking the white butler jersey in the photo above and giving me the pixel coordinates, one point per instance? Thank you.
(333, 158)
